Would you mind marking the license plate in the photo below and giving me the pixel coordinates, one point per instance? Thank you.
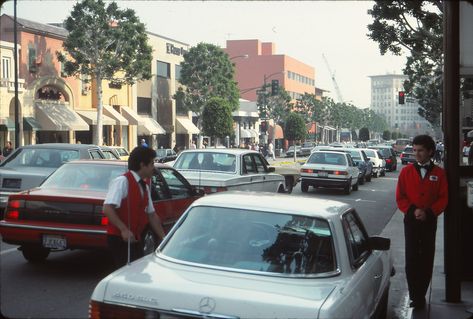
(323, 174)
(54, 242)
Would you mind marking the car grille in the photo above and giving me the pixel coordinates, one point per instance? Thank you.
(70, 213)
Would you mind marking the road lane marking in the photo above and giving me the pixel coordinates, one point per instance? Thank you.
(8, 251)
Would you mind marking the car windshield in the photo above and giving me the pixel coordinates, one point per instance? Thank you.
(327, 158)
(370, 153)
(122, 152)
(40, 157)
(209, 161)
(408, 150)
(287, 244)
(84, 176)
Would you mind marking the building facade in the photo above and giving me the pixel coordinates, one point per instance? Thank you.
(401, 118)
(155, 96)
(257, 62)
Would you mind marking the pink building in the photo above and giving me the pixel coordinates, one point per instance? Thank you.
(256, 61)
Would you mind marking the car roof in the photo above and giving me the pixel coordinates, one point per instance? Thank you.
(274, 202)
(340, 151)
(235, 151)
(61, 145)
(109, 162)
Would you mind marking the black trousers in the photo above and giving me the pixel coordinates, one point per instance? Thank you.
(420, 251)
(119, 250)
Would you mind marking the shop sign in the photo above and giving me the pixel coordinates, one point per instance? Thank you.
(171, 49)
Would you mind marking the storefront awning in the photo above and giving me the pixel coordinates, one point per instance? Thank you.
(31, 124)
(245, 133)
(278, 132)
(91, 117)
(253, 133)
(132, 117)
(185, 126)
(59, 117)
(114, 114)
(150, 127)
(6, 124)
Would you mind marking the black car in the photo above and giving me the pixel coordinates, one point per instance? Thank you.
(164, 155)
(306, 148)
(389, 155)
(408, 156)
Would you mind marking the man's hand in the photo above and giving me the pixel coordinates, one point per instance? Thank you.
(420, 214)
(127, 234)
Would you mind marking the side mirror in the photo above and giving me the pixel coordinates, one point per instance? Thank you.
(379, 243)
(198, 191)
(271, 169)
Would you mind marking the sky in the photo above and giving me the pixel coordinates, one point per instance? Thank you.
(303, 30)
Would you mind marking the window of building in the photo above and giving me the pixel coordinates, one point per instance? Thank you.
(32, 59)
(177, 70)
(144, 105)
(164, 70)
(6, 65)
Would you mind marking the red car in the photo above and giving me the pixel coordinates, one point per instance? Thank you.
(65, 212)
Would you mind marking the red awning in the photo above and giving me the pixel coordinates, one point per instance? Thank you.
(279, 134)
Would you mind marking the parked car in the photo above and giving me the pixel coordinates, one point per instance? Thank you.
(109, 153)
(389, 156)
(306, 148)
(292, 257)
(363, 163)
(215, 170)
(379, 164)
(121, 152)
(28, 166)
(65, 212)
(290, 151)
(333, 169)
(164, 155)
(407, 155)
(401, 144)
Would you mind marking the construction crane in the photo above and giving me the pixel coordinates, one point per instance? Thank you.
(332, 75)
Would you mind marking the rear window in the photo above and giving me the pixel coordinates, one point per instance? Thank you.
(355, 155)
(40, 157)
(370, 153)
(408, 150)
(219, 162)
(327, 158)
(284, 244)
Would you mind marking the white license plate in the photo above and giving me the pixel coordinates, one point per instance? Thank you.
(323, 174)
(54, 242)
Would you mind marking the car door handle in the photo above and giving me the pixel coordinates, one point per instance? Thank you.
(377, 276)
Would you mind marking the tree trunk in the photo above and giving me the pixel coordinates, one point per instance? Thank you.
(295, 157)
(98, 138)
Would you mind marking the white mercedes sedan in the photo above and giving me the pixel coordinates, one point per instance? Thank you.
(255, 255)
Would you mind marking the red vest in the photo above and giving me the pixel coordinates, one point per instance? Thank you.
(137, 204)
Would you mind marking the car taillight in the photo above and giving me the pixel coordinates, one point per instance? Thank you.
(12, 214)
(307, 170)
(104, 221)
(340, 172)
(12, 211)
(388, 160)
(100, 310)
(16, 203)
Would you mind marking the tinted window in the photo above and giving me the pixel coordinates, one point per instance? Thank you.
(220, 162)
(370, 153)
(248, 166)
(84, 176)
(259, 163)
(40, 157)
(357, 240)
(177, 187)
(268, 242)
(327, 158)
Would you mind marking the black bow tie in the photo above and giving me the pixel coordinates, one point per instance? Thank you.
(426, 166)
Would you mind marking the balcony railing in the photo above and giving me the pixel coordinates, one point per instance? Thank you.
(10, 84)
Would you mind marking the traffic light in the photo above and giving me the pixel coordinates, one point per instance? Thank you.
(263, 126)
(402, 96)
(274, 87)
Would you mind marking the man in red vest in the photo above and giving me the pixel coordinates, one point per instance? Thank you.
(422, 195)
(129, 207)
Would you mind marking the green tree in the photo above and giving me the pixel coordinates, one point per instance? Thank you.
(217, 120)
(207, 72)
(105, 43)
(386, 135)
(295, 129)
(415, 26)
(395, 135)
(364, 134)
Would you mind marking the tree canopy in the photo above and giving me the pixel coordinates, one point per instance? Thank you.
(295, 128)
(364, 134)
(105, 43)
(217, 120)
(416, 27)
(207, 72)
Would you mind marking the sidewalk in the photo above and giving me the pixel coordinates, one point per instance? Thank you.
(436, 307)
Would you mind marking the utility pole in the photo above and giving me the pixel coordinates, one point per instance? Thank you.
(15, 60)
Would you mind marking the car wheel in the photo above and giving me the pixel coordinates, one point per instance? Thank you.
(289, 180)
(281, 189)
(355, 187)
(361, 180)
(34, 253)
(347, 188)
(375, 175)
(150, 241)
(368, 178)
(304, 187)
(383, 173)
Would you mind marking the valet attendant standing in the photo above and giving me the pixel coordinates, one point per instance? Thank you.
(422, 195)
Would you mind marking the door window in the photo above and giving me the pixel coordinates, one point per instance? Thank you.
(357, 239)
(248, 165)
(177, 187)
(261, 168)
(95, 154)
(159, 190)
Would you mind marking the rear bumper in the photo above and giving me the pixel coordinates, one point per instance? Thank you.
(325, 182)
(18, 234)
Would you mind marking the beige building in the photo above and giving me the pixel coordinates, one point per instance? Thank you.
(155, 96)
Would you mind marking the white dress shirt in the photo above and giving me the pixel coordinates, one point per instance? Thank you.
(118, 190)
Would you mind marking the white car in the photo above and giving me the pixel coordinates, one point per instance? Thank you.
(379, 164)
(215, 170)
(333, 169)
(291, 257)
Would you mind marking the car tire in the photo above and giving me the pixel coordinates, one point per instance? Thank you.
(375, 175)
(34, 253)
(289, 181)
(355, 187)
(281, 189)
(361, 180)
(150, 241)
(382, 174)
(304, 187)
(368, 178)
(347, 188)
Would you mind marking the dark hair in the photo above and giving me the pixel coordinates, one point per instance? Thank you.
(138, 155)
(424, 140)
